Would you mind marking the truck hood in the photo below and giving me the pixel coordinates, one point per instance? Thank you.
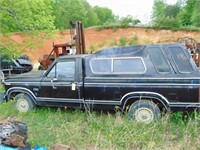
(22, 77)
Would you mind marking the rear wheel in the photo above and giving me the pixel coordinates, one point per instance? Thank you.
(144, 111)
(24, 103)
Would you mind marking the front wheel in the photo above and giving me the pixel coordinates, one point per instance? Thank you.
(24, 103)
(144, 111)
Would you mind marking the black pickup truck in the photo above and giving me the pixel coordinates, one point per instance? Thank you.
(143, 80)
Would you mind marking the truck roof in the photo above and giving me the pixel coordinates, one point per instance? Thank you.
(119, 51)
(141, 60)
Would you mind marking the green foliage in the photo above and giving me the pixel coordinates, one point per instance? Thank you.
(104, 15)
(128, 21)
(186, 13)
(66, 10)
(122, 41)
(167, 23)
(133, 41)
(112, 43)
(25, 15)
(7, 109)
(172, 11)
(166, 16)
(158, 9)
(80, 10)
(96, 130)
(91, 18)
(93, 48)
(195, 19)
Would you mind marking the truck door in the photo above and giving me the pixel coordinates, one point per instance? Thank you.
(61, 83)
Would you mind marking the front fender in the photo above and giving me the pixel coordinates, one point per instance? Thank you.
(20, 90)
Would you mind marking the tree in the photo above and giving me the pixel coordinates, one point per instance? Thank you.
(166, 16)
(195, 19)
(129, 21)
(172, 10)
(66, 10)
(23, 16)
(159, 7)
(104, 14)
(91, 17)
(186, 14)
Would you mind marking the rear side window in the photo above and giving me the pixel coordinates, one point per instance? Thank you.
(132, 65)
(180, 59)
(128, 65)
(101, 65)
(159, 60)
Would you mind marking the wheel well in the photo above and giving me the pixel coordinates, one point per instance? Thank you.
(156, 101)
(13, 94)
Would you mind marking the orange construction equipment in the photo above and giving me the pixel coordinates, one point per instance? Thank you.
(77, 47)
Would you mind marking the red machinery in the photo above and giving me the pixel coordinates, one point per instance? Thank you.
(78, 47)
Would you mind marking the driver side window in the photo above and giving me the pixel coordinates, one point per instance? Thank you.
(63, 70)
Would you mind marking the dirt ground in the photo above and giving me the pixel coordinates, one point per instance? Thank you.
(95, 37)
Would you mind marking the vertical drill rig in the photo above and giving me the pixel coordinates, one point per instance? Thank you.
(76, 47)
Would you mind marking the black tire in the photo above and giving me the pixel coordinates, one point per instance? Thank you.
(144, 111)
(24, 103)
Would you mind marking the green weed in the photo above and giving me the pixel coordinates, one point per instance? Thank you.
(133, 41)
(105, 130)
(122, 41)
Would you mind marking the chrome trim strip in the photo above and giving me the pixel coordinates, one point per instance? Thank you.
(135, 84)
(140, 84)
(79, 83)
(143, 78)
(120, 102)
(45, 99)
(20, 88)
(183, 103)
(145, 97)
(103, 102)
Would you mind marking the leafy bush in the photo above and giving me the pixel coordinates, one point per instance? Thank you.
(112, 43)
(167, 23)
(133, 40)
(122, 41)
(93, 48)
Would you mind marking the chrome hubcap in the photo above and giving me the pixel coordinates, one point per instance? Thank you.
(22, 105)
(144, 115)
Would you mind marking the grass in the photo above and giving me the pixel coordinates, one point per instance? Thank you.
(97, 130)
(116, 26)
